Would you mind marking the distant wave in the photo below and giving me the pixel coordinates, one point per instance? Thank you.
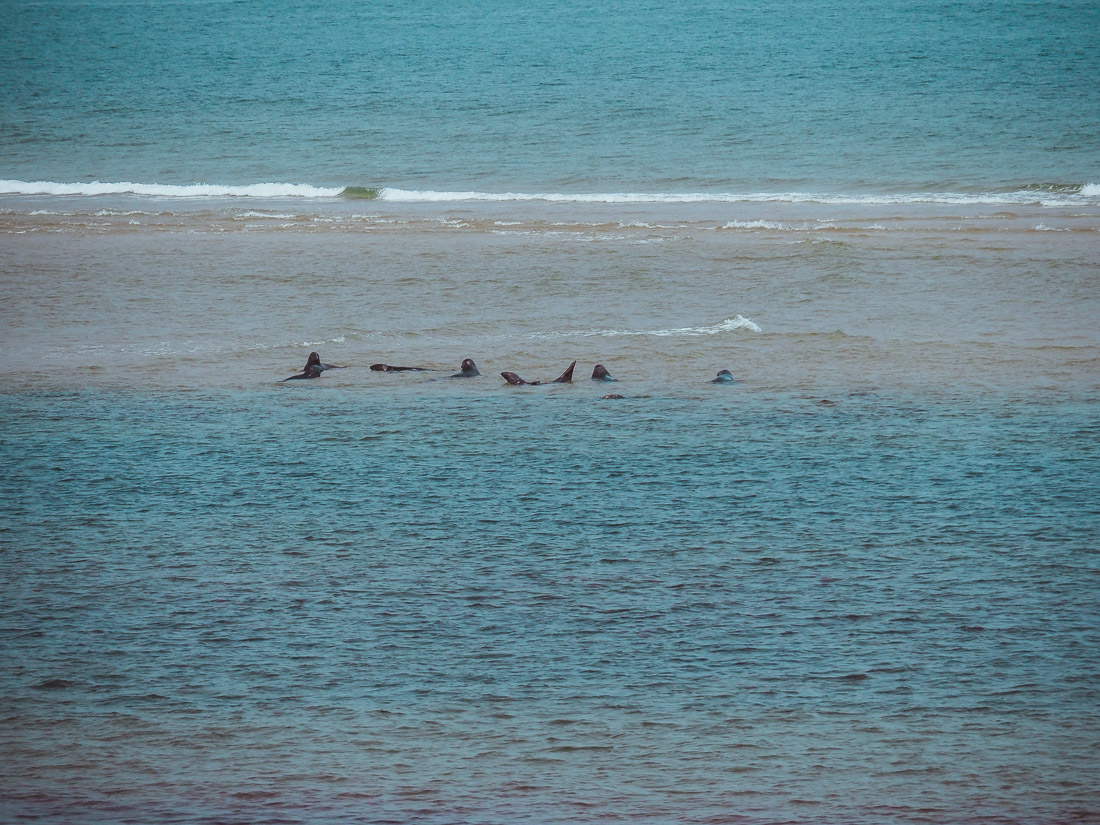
(1036, 194)
(784, 227)
(732, 324)
(165, 190)
(1045, 195)
(729, 325)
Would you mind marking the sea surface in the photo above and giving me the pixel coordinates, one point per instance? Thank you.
(859, 585)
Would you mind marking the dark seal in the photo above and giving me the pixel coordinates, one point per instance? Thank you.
(388, 368)
(311, 371)
(600, 373)
(565, 378)
(467, 370)
(314, 360)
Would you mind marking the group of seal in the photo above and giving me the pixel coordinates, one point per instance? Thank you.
(314, 367)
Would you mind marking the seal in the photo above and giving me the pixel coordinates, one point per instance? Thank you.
(723, 377)
(612, 395)
(600, 373)
(467, 370)
(516, 381)
(388, 368)
(565, 378)
(310, 371)
(314, 360)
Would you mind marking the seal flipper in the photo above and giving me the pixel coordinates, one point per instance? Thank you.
(567, 376)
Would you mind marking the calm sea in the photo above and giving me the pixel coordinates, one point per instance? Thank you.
(858, 585)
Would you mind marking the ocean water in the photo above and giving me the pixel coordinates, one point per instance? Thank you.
(860, 584)
(565, 96)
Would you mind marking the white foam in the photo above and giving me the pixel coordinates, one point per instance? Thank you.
(737, 322)
(729, 325)
(781, 227)
(201, 190)
(1087, 193)
(1068, 196)
(644, 225)
(753, 225)
(267, 215)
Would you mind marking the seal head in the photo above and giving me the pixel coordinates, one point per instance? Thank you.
(467, 370)
(314, 360)
(600, 373)
(723, 377)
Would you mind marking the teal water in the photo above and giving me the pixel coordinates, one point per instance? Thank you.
(553, 97)
(534, 607)
(859, 585)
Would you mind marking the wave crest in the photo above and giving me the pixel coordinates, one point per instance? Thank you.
(1068, 195)
(168, 190)
(1036, 194)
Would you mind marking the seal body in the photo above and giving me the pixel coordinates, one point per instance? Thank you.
(723, 377)
(516, 381)
(565, 378)
(600, 373)
(311, 371)
(388, 368)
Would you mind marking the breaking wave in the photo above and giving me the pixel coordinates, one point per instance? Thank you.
(162, 190)
(1036, 194)
(1069, 195)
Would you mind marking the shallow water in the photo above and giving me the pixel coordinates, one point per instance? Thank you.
(814, 298)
